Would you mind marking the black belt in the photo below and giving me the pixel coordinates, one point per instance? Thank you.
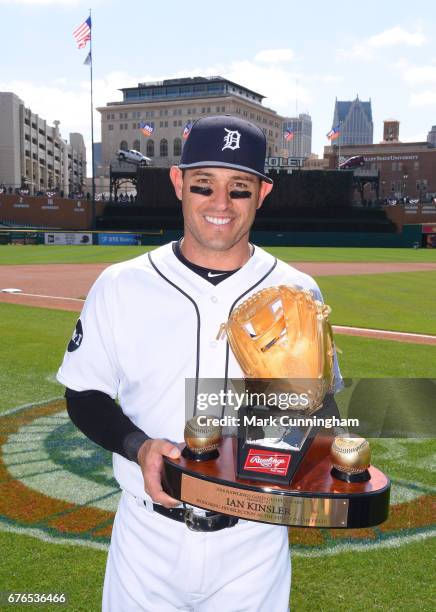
(211, 521)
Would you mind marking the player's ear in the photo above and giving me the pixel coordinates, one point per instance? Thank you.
(264, 189)
(176, 176)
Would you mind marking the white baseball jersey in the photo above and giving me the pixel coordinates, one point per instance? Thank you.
(150, 323)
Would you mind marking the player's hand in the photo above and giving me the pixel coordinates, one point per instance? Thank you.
(151, 462)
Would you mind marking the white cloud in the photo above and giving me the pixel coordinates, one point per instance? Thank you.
(396, 36)
(274, 56)
(365, 49)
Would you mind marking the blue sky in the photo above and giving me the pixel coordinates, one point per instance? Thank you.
(298, 54)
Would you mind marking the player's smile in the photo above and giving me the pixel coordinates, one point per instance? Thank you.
(217, 220)
(219, 205)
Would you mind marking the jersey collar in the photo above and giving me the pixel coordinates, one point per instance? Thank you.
(169, 265)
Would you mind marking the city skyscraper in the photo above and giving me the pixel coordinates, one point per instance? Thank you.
(354, 118)
(300, 142)
(431, 136)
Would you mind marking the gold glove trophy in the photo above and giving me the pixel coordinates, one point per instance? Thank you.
(288, 474)
(283, 342)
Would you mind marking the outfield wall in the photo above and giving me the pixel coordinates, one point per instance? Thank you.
(50, 212)
(411, 236)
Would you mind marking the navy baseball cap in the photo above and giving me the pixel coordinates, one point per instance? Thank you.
(225, 142)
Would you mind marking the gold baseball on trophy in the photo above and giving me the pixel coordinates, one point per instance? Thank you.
(202, 439)
(350, 459)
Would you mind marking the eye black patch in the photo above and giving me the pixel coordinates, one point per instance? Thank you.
(205, 191)
(237, 195)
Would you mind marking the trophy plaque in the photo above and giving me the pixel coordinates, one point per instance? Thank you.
(280, 468)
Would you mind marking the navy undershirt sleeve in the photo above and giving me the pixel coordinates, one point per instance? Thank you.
(101, 419)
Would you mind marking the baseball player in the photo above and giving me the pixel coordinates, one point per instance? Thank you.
(147, 325)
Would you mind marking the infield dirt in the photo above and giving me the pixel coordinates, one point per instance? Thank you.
(64, 286)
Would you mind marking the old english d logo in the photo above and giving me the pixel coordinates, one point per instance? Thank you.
(77, 338)
(268, 462)
(231, 140)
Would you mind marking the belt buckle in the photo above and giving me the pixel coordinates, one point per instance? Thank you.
(189, 518)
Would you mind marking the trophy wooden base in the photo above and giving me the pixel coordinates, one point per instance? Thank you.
(313, 499)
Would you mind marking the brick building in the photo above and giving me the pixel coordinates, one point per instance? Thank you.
(405, 169)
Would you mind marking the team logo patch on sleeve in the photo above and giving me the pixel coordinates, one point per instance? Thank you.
(77, 338)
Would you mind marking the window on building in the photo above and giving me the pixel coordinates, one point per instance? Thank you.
(163, 148)
(110, 127)
(124, 146)
(136, 145)
(149, 149)
(416, 165)
(177, 150)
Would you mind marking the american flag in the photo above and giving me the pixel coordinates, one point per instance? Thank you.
(288, 134)
(146, 128)
(83, 33)
(186, 130)
(334, 133)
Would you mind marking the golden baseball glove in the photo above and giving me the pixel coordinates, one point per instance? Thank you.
(284, 333)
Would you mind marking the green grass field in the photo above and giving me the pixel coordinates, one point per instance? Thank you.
(40, 254)
(401, 301)
(395, 577)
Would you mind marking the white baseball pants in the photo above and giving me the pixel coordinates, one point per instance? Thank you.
(156, 564)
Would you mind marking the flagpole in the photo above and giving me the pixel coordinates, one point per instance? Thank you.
(92, 130)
